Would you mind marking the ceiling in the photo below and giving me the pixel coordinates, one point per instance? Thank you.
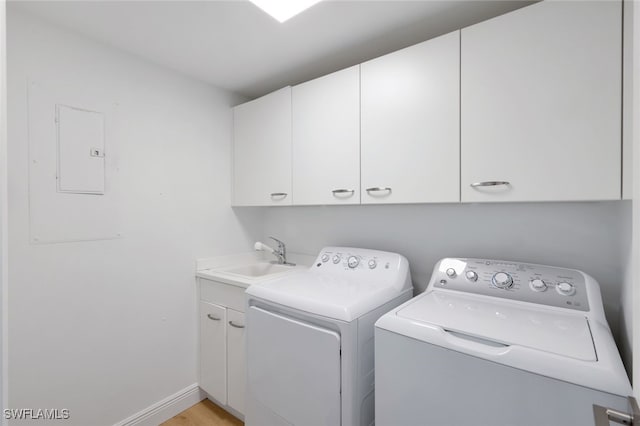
(236, 46)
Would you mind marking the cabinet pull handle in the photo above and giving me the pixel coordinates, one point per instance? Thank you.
(232, 324)
(343, 191)
(490, 183)
(211, 317)
(278, 194)
(378, 189)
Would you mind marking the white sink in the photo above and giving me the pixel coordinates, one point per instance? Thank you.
(259, 269)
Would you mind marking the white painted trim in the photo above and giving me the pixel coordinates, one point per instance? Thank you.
(165, 409)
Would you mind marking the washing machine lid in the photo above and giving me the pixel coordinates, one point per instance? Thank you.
(328, 295)
(507, 323)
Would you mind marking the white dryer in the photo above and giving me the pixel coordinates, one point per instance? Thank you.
(310, 338)
(498, 343)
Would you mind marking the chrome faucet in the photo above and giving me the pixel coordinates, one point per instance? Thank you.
(280, 252)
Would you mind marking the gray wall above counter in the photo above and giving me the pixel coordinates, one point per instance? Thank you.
(590, 236)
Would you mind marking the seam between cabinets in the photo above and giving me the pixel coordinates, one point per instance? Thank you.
(360, 130)
(460, 117)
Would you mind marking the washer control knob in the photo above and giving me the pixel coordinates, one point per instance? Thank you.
(325, 257)
(565, 289)
(451, 273)
(471, 276)
(373, 264)
(537, 285)
(353, 261)
(502, 280)
(336, 258)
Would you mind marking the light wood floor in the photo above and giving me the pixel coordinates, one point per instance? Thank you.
(204, 413)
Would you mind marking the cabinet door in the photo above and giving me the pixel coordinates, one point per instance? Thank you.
(326, 139)
(411, 124)
(235, 360)
(262, 151)
(213, 351)
(541, 103)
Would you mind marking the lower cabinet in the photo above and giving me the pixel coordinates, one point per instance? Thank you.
(213, 354)
(222, 347)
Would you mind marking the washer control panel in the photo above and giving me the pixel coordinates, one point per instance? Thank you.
(545, 285)
(352, 259)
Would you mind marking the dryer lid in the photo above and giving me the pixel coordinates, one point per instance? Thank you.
(329, 295)
(511, 323)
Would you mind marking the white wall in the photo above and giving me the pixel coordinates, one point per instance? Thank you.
(629, 150)
(106, 328)
(585, 236)
(3, 209)
(626, 291)
(633, 322)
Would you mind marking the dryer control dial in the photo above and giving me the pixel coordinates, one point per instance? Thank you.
(472, 276)
(502, 280)
(336, 258)
(353, 262)
(451, 273)
(373, 264)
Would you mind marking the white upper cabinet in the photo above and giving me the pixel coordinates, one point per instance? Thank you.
(411, 124)
(326, 139)
(541, 104)
(262, 151)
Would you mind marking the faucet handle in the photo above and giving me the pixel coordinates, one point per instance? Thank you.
(280, 243)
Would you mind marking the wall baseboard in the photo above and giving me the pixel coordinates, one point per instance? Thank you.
(165, 409)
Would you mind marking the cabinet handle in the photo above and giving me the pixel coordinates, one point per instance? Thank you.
(232, 324)
(378, 189)
(490, 183)
(343, 191)
(211, 317)
(278, 194)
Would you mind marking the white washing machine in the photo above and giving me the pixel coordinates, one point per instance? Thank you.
(310, 338)
(498, 343)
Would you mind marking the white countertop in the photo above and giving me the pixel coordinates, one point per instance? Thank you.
(216, 268)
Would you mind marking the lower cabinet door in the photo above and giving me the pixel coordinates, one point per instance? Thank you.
(213, 351)
(235, 360)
